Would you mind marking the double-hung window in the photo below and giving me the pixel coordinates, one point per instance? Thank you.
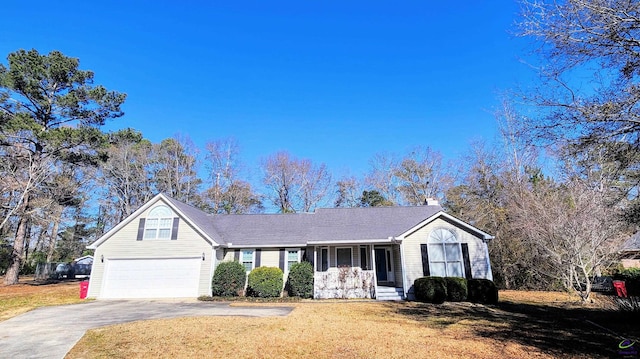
(344, 257)
(293, 257)
(158, 223)
(445, 254)
(364, 257)
(247, 257)
(323, 259)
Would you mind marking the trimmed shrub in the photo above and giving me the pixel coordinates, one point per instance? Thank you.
(228, 279)
(430, 289)
(482, 291)
(631, 278)
(300, 281)
(265, 282)
(456, 289)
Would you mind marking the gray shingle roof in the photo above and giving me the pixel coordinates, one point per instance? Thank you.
(326, 224)
(343, 224)
(264, 229)
(200, 218)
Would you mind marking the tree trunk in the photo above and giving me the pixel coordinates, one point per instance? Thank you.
(53, 237)
(13, 271)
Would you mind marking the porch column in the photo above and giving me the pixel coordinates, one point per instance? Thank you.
(373, 267)
(404, 272)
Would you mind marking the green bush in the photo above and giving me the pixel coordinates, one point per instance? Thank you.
(482, 291)
(631, 278)
(456, 289)
(228, 279)
(265, 282)
(430, 289)
(300, 281)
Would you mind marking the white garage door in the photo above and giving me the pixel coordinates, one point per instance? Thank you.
(152, 278)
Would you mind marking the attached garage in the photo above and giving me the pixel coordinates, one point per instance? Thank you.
(151, 278)
(156, 252)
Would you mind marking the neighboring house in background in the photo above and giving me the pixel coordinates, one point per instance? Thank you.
(630, 252)
(170, 249)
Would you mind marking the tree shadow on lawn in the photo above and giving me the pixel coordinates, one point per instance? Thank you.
(559, 331)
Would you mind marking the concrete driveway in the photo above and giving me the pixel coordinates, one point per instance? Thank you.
(50, 332)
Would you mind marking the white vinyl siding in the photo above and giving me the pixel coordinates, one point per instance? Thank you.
(269, 257)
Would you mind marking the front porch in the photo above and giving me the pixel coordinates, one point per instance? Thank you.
(358, 271)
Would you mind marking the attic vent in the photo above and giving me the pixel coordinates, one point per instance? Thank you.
(431, 202)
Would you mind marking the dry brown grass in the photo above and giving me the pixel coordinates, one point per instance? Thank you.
(312, 330)
(523, 325)
(23, 297)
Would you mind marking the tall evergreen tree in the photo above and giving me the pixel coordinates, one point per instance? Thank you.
(50, 112)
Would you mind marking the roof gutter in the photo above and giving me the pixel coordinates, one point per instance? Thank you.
(260, 245)
(354, 241)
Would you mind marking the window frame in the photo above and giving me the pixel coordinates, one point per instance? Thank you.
(366, 259)
(439, 240)
(286, 260)
(151, 216)
(323, 260)
(253, 258)
(350, 257)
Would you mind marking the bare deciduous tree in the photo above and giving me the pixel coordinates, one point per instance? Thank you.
(381, 176)
(573, 226)
(175, 169)
(348, 192)
(296, 185)
(420, 175)
(125, 178)
(227, 193)
(598, 114)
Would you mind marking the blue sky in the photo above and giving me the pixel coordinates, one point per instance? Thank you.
(333, 81)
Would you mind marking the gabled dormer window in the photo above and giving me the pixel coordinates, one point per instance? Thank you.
(159, 224)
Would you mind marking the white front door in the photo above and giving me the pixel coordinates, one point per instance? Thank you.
(151, 278)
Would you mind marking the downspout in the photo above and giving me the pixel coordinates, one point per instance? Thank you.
(404, 273)
(486, 254)
(212, 268)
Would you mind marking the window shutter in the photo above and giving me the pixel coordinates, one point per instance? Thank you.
(281, 264)
(258, 255)
(425, 260)
(303, 255)
(467, 262)
(140, 229)
(174, 228)
(236, 255)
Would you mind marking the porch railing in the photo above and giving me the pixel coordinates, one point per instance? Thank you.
(344, 282)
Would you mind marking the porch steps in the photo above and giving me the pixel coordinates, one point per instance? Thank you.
(389, 293)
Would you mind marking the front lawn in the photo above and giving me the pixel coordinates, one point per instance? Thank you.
(522, 325)
(26, 296)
